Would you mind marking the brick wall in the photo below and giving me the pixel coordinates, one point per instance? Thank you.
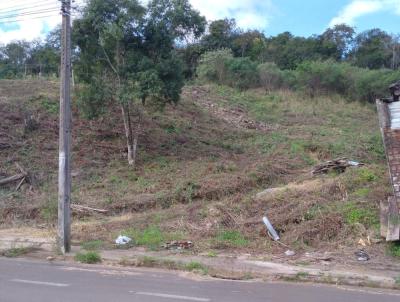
(392, 146)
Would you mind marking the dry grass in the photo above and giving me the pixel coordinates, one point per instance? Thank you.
(197, 174)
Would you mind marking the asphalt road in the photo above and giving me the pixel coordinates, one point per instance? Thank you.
(33, 281)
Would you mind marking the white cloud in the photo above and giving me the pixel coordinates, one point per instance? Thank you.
(358, 8)
(253, 14)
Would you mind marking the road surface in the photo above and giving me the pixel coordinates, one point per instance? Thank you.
(33, 281)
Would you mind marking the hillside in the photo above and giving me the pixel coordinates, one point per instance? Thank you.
(201, 163)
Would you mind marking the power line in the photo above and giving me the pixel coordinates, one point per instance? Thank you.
(29, 16)
(38, 12)
(21, 10)
(29, 19)
(21, 6)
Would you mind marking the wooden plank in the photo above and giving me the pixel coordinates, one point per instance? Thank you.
(393, 232)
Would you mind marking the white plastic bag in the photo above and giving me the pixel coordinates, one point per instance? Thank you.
(122, 240)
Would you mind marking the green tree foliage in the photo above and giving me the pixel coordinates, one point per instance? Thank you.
(373, 49)
(241, 73)
(270, 76)
(221, 67)
(221, 34)
(22, 58)
(212, 65)
(127, 55)
(341, 38)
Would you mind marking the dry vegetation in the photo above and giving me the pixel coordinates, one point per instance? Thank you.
(201, 163)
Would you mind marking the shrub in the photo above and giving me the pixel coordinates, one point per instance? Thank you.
(241, 73)
(394, 249)
(212, 66)
(221, 67)
(270, 76)
(196, 266)
(89, 257)
(318, 77)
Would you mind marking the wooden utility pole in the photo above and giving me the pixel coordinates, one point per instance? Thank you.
(64, 172)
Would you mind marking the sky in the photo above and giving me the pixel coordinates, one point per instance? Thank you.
(301, 17)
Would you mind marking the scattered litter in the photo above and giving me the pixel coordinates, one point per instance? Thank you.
(290, 253)
(365, 242)
(271, 229)
(362, 242)
(178, 245)
(122, 240)
(338, 165)
(362, 255)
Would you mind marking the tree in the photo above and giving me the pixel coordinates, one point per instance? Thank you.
(220, 34)
(14, 57)
(245, 42)
(372, 49)
(127, 55)
(340, 36)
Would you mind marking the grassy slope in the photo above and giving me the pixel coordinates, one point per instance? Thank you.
(197, 173)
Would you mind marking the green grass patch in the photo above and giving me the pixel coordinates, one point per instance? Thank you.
(197, 267)
(51, 106)
(362, 192)
(91, 257)
(232, 237)
(365, 175)
(357, 214)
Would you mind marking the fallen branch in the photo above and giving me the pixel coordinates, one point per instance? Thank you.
(11, 179)
(20, 184)
(80, 208)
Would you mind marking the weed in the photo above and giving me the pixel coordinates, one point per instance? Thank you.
(147, 261)
(211, 254)
(49, 210)
(92, 245)
(247, 276)
(366, 175)
(232, 237)
(88, 257)
(362, 192)
(303, 263)
(354, 214)
(375, 146)
(302, 275)
(185, 192)
(196, 266)
(397, 280)
(394, 249)
(15, 252)
(51, 106)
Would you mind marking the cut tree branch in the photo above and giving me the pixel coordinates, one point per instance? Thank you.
(80, 208)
